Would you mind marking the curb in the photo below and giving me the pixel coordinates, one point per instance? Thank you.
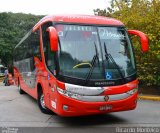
(149, 97)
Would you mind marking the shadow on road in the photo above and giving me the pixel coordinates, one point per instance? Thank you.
(91, 120)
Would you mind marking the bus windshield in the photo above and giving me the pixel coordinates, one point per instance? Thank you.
(94, 52)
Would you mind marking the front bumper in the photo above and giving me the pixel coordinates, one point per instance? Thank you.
(71, 107)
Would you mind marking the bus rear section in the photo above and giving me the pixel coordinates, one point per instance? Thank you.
(85, 65)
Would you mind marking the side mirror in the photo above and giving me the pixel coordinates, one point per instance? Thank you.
(143, 39)
(53, 38)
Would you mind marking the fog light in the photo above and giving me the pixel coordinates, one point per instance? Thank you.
(65, 107)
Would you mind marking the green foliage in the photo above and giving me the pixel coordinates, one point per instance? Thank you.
(143, 15)
(12, 28)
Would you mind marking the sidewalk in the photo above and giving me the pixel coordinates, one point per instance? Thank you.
(1, 83)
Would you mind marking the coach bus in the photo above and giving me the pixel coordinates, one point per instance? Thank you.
(78, 65)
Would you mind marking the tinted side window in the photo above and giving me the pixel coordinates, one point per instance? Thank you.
(35, 44)
(29, 47)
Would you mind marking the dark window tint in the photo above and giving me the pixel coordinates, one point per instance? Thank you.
(36, 44)
(29, 47)
(49, 55)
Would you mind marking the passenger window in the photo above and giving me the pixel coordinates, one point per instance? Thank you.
(36, 44)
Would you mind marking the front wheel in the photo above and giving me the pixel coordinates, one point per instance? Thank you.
(41, 104)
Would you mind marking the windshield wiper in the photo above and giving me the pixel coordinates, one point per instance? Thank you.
(109, 57)
(93, 64)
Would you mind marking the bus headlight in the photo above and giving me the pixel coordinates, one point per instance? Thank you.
(85, 98)
(83, 90)
(68, 94)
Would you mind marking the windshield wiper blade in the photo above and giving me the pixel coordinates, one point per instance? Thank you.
(93, 65)
(109, 56)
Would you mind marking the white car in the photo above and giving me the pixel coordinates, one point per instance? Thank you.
(2, 69)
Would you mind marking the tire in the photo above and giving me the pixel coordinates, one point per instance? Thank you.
(41, 103)
(19, 88)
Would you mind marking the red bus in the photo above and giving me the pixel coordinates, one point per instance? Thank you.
(78, 65)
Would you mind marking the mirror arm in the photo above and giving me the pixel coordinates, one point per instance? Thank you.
(53, 36)
(143, 39)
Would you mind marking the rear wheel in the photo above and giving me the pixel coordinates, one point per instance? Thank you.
(41, 103)
(19, 88)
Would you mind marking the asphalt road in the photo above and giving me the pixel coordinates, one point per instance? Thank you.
(22, 111)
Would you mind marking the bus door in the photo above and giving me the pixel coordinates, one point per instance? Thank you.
(50, 67)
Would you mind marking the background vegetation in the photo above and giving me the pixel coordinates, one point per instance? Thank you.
(143, 15)
(12, 28)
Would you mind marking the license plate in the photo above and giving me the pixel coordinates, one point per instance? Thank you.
(106, 107)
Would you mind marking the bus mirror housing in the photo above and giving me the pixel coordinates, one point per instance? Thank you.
(143, 39)
(53, 38)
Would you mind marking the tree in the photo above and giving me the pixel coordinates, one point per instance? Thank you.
(12, 28)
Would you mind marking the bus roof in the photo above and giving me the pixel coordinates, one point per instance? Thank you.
(81, 19)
